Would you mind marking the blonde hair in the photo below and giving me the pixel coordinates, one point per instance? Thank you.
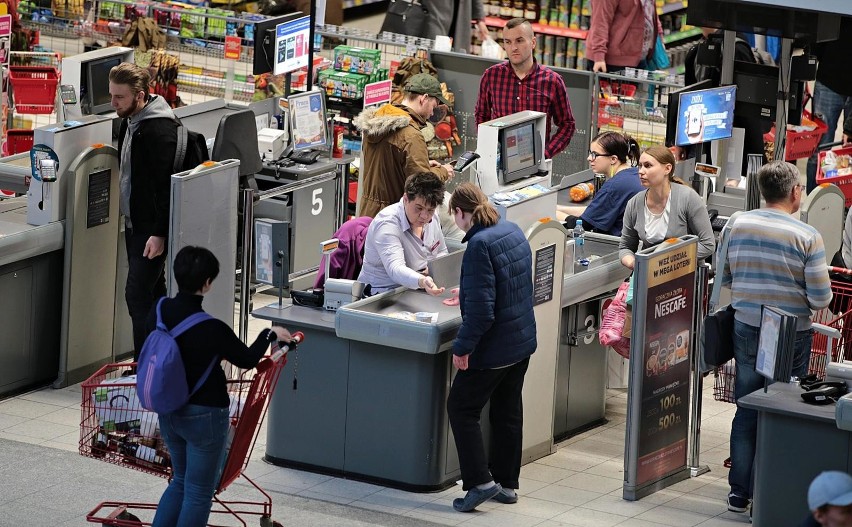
(138, 79)
(470, 199)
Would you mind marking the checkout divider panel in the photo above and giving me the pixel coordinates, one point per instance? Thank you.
(307, 426)
(396, 415)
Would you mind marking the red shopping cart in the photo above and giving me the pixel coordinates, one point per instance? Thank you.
(838, 315)
(117, 430)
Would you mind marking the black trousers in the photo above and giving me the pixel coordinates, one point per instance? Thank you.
(146, 283)
(470, 391)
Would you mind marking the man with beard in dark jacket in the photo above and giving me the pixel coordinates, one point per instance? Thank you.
(147, 143)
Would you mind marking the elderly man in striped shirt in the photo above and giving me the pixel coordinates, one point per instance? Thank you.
(521, 84)
(775, 260)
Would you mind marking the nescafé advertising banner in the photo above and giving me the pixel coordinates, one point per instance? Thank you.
(669, 304)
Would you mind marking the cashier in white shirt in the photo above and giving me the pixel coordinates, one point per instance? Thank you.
(404, 237)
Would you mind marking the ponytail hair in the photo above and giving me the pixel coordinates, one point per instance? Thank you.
(469, 198)
(664, 156)
(620, 145)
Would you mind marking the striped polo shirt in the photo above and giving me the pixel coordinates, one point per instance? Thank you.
(776, 260)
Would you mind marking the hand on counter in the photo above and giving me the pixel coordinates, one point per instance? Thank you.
(460, 362)
(428, 284)
(454, 300)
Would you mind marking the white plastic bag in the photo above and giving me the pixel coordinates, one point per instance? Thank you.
(492, 50)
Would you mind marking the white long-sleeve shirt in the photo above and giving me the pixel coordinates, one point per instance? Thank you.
(393, 255)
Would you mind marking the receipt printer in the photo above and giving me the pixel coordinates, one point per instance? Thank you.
(339, 292)
(271, 143)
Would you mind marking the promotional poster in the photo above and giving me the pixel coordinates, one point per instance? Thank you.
(665, 383)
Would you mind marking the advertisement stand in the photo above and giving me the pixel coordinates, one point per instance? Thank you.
(658, 401)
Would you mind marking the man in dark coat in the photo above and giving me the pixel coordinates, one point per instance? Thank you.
(147, 142)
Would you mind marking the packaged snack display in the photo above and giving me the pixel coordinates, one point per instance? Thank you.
(356, 60)
(343, 84)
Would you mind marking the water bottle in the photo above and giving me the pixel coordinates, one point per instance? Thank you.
(579, 243)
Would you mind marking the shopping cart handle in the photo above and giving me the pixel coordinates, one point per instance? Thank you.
(285, 347)
(839, 270)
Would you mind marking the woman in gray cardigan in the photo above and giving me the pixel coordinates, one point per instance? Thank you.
(663, 211)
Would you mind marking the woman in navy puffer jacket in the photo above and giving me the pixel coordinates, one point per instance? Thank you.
(492, 349)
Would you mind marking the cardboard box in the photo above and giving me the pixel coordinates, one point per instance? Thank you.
(356, 60)
(343, 84)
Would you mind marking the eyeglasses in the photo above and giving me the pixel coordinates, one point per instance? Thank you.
(594, 155)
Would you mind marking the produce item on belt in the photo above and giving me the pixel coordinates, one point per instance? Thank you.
(581, 192)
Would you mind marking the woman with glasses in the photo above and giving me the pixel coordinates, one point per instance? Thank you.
(668, 208)
(614, 155)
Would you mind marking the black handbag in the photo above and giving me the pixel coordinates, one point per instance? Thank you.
(406, 17)
(718, 337)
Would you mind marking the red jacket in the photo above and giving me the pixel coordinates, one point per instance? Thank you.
(616, 32)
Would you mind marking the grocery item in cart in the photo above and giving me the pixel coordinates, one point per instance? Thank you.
(118, 409)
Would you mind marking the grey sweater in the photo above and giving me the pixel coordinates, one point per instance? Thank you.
(688, 215)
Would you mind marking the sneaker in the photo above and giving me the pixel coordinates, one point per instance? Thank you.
(475, 497)
(507, 496)
(737, 503)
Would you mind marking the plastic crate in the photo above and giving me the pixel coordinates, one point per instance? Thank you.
(18, 141)
(844, 182)
(34, 88)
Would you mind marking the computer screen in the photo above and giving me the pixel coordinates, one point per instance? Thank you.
(97, 84)
(705, 115)
(291, 45)
(307, 120)
(520, 147)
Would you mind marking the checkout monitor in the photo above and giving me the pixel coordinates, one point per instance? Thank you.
(705, 115)
(97, 84)
(520, 152)
(308, 130)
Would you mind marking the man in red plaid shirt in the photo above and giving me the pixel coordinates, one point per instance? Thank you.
(522, 84)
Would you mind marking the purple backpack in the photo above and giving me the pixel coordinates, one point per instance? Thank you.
(160, 375)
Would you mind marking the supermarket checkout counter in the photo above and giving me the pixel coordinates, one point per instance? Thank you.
(31, 261)
(581, 378)
(795, 442)
(372, 388)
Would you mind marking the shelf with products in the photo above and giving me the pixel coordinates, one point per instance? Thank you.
(580, 34)
(358, 3)
(683, 34)
(671, 7)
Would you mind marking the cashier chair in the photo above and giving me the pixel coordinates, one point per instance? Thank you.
(236, 138)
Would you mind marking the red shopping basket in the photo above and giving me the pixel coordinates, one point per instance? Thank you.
(34, 88)
(843, 181)
(18, 141)
(116, 429)
(801, 144)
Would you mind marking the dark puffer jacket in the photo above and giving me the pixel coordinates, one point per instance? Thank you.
(496, 297)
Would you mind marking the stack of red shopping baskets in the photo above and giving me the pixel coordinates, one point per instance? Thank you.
(116, 429)
(837, 315)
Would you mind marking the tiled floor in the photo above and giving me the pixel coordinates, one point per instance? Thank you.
(44, 482)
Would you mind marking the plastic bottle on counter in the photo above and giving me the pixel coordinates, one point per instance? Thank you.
(580, 243)
(581, 192)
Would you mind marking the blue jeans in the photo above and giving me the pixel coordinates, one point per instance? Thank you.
(196, 438)
(827, 105)
(744, 426)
